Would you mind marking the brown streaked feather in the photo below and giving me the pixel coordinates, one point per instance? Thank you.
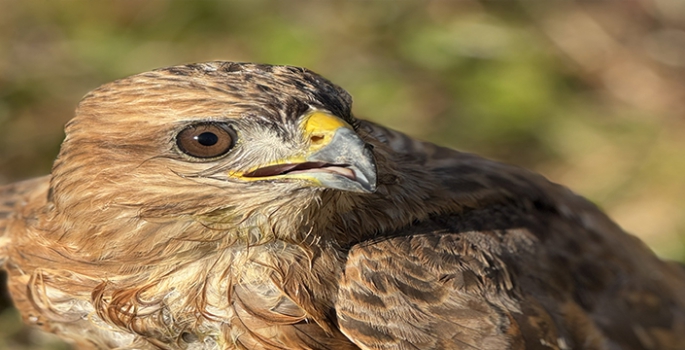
(424, 292)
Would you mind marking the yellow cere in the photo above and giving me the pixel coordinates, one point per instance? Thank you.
(320, 127)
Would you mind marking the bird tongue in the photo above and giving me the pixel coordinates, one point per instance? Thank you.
(299, 168)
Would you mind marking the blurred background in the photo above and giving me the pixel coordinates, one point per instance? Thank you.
(590, 94)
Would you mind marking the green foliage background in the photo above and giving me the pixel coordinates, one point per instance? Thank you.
(591, 95)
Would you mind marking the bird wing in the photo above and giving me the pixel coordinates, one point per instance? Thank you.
(13, 198)
(529, 265)
(425, 291)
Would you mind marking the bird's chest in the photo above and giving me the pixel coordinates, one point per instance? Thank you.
(249, 298)
(235, 298)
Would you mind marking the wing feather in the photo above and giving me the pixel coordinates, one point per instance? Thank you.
(393, 295)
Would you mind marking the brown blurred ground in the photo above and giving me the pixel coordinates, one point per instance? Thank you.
(591, 94)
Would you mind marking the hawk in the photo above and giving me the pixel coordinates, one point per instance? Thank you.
(231, 205)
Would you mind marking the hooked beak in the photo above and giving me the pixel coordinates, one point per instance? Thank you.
(336, 158)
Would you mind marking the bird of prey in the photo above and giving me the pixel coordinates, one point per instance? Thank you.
(231, 205)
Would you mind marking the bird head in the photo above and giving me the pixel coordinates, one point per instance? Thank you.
(247, 146)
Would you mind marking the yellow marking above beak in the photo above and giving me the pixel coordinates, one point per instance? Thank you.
(320, 127)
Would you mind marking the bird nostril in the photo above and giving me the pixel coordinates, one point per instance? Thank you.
(317, 138)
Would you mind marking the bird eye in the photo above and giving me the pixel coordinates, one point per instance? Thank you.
(206, 140)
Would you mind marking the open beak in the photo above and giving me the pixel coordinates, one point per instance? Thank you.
(336, 158)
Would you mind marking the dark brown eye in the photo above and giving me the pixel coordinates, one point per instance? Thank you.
(206, 140)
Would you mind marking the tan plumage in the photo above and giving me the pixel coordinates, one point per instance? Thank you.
(310, 229)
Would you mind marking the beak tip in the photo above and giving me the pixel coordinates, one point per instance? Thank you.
(367, 179)
(367, 187)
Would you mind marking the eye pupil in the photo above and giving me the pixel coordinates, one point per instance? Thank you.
(207, 139)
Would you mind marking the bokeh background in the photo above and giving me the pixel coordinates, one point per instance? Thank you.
(591, 94)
